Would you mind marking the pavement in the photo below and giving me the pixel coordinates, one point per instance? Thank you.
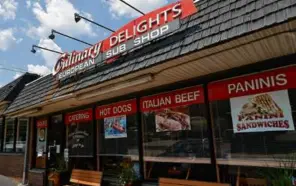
(6, 181)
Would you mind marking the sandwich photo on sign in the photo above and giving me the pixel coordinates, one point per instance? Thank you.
(172, 119)
(270, 111)
(115, 127)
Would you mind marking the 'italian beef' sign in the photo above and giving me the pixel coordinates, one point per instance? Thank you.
(259, 102)
(144, 29)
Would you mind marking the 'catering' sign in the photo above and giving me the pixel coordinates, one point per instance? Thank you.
(139, 31)
(79, 117)
(259, 102)
(121, 108)
(177, 98)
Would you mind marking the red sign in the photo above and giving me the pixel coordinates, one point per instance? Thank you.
(150, 21)
(121, 108)
(119, 42)
(278, 79)
(42, 123)
(79, 117)
(182, 97)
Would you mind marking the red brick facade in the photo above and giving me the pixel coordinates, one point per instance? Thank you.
(12, 165)
(36, 178)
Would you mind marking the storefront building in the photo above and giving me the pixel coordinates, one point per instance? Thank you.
(192, 91)
(13, 130)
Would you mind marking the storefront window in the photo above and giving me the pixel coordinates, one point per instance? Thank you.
(254, 117)
(9, 135)
(175, 132)
(80, 133)
(118, 134)
(21, 135)
(1, 133)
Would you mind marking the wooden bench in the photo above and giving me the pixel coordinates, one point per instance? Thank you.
(252, 182)
(86, 177)
(178, 182)
(249, 181)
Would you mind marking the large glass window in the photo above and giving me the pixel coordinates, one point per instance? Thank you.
(254, 117)
(175, 132)
(21, 135)
(9, 135)
(1, 133)
(118, 135)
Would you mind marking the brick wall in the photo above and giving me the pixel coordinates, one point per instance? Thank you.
(12, 165)
(36, 178)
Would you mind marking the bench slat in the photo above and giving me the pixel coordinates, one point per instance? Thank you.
(179, 182)
(86, 175)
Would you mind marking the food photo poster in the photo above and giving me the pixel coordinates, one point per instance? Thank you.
(115, 127)
(270, 111)
(41, 139)
(172, 119)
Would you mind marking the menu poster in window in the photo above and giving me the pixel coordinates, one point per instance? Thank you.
(80, 133)
(259, 102)
(270, 111)
(41, 136)
(172, 119)
(172, 109)
(115, 127)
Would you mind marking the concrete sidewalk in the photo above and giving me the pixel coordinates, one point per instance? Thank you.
(6, 181)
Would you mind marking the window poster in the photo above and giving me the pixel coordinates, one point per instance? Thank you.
(80, 133)
(172, 109)
(172, 119)
(115, 127)
(270, 111)
(115, 118)
(259, 102)
(41, 136)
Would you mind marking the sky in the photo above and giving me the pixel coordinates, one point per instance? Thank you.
(27, 22)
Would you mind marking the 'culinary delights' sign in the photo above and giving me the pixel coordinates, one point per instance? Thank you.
(115, 117)
(259, 102)
(139, 31)
(171, 110)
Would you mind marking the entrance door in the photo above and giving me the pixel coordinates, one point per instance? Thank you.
(56, 145)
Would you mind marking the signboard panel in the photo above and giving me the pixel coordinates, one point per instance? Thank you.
(177, 98)
(259, 102)
(79, 117)
(142, 30)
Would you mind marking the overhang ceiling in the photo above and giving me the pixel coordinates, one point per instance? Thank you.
(269, 43)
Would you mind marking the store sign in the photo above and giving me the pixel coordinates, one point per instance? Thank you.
(42, 123)
(182, 97)
(171, 110)
(79, 117)
(259, 102)
(115, 118)
(139, 31)
(121, 108)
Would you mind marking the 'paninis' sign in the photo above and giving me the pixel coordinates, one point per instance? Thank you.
(259, 102)
(139, 31)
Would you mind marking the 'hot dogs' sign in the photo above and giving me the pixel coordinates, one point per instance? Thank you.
(121, 108)
(139, 31)
(259, 102)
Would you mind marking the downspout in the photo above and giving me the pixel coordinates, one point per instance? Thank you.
(26, 155)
